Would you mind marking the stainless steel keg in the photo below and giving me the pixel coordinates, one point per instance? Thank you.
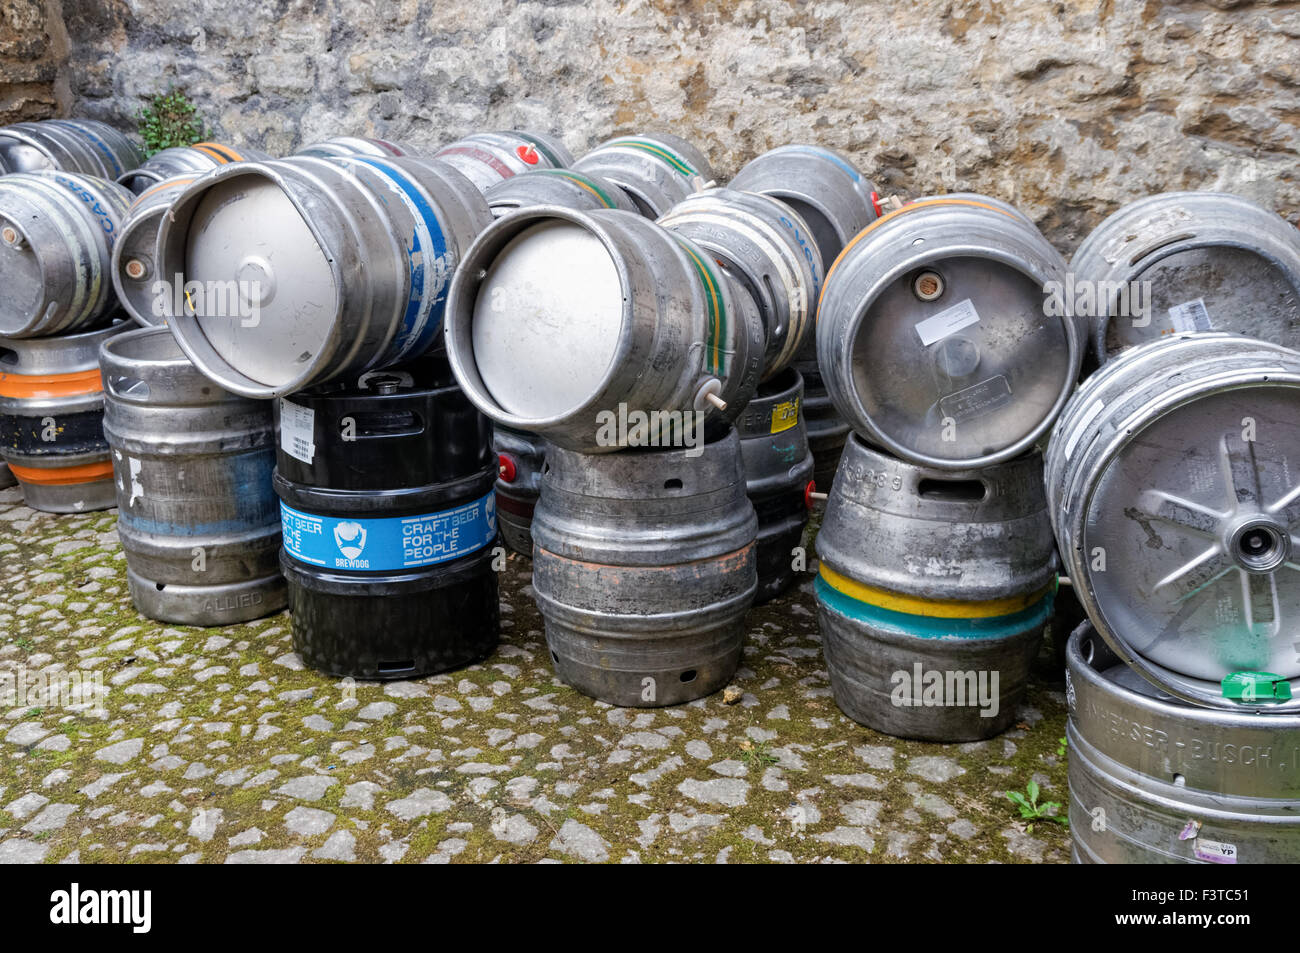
(577, 190)
(520, 457)
(57, 231)
(1173, 481)
(51, 420)
(1155, 781)
(185, 161)
(644, 567)
(83, 146)
(574, 325)
(141, 289)
(489, 158)
(198, 517)
(837, 202)
(342, 146)
(939, 338)
(1188, 261)
(307, 269)
(657, 170)
(770, 249)
(778, 477)
(933, 590)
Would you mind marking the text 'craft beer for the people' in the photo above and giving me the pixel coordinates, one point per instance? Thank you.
(389, 519)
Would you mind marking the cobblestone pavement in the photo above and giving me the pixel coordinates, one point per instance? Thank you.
(216, 745)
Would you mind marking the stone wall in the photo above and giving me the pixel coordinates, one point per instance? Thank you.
(1066, 109)
(33, 47)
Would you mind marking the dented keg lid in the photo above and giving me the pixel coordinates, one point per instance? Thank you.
(541, 349)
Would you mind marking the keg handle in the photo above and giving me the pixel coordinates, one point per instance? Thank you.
(944, 490)
(126, 387)
(1159, 244)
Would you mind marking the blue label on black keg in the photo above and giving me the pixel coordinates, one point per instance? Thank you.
(399, 542)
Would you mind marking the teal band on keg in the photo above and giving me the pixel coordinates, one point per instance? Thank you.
(391, 543)
(932, 627)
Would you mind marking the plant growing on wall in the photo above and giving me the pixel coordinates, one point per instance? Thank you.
(169, 120)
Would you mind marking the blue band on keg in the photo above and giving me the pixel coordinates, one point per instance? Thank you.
(97, 142)
(830, 157)
(423, 316)
(932, 627)
(391, 543)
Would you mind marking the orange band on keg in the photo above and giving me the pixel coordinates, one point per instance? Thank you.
(38, 386)
(164, 184)
(218, 151)
(64, 476)
(910, 207)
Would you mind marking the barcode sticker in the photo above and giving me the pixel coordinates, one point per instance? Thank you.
(1191, 316)
(1214, 851)
(946, 322)
(1081, 427)
(297, 430)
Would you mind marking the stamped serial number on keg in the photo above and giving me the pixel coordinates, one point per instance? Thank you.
(877, 478)
(400, 542)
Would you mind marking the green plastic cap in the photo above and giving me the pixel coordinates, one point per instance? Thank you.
(1256, 687)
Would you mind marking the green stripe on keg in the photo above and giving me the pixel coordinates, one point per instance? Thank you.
(932, 627)
(659, 152)
(717, 357)
(583, 181)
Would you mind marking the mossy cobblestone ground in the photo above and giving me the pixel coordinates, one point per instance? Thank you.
(217, 745)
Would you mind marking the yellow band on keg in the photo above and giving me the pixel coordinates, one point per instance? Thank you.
(915, 605)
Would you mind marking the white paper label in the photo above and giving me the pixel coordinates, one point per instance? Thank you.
(297, 430)
(1081, 427)
(946, 322)
(1191, 316)
(1214, 851)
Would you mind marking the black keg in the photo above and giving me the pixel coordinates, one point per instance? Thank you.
(389, 517)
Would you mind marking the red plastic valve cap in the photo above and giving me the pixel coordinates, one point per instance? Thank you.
(528, 153)
(875, 204)
(808, 492)
(506, 468)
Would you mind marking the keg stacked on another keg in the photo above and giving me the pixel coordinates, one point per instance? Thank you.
(521, 453)
(769, 248)
(938, 343)
(1172, 476)
(340, 260)
(631, 349)
(58, 230)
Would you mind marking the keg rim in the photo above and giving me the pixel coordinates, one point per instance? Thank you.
(137, 215)
(462, 297)
(1079, 666)
(1195, 691)
(852, 328)
(172, 234)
